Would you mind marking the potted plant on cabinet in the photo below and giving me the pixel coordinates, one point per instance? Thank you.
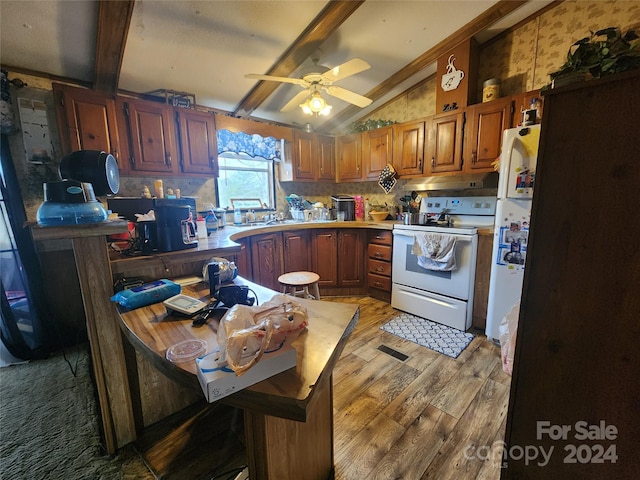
(605, 52)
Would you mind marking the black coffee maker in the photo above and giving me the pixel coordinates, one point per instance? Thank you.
(175, 228)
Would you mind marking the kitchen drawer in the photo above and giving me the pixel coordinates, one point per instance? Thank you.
(379, 282)
(383, 237)
(380, 267)
(380, 252)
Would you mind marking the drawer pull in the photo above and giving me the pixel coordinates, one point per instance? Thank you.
(379, 269)
(377, 254)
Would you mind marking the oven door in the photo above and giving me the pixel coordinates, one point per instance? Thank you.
(457, 283)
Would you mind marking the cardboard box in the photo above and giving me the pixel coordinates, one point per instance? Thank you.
(219, 382)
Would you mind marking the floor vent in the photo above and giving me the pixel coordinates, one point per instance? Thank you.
(394, 353)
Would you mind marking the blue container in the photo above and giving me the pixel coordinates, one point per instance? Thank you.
(69, 202)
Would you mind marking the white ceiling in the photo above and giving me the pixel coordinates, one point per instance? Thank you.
(206, 47)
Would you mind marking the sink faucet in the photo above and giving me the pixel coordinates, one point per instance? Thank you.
(271, 218)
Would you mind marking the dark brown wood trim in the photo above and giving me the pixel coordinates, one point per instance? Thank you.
(492, 15)
(113, 26)
(321, 28)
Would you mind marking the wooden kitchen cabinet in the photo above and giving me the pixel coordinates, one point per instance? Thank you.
(151, 138)
(87, 121)
(324, 258)
(349, 161)
(295, 250)
(198, 141)
(377, 151)
(485, 123)
(576, 356)
(409, 147)
(481, 285)
(445, 143)
(337, 255)
(243, 262)
(326, 158)
(351, 257)
(379, 264)
(266, 259)
(313, 157)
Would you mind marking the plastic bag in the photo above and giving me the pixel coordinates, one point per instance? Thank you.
(245, 333)
(508, 331)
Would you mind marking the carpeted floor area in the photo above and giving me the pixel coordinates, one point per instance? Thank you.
(49, 424)
(435, 336)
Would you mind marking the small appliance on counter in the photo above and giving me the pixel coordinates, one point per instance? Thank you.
(176, 228)
(127, 207)
(346, 204)
(69, 202)
(84, 174)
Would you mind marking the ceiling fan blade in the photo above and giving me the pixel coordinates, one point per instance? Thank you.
(295, 81)
(295, 101)
(347, 69)
(348, 96)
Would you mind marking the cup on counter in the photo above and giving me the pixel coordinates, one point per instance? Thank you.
(340, 216)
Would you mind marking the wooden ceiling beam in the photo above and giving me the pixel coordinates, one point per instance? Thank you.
(321, 28)
(114, 19)
(477, 25)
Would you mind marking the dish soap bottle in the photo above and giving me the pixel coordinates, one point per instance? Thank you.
(237, 216)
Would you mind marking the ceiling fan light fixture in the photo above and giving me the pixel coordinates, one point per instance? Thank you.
(315, 105)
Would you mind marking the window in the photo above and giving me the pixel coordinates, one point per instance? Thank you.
(245, 178)
(246, 170)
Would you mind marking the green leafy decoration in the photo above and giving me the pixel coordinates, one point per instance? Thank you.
(605, 52)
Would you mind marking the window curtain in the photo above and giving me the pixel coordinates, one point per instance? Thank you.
(252, 145)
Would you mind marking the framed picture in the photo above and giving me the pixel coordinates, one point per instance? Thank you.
(246, 203)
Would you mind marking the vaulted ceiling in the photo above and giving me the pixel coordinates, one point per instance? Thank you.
(206, 47)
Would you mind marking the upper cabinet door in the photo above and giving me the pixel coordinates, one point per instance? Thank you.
(377, 148)
(151, 136)
(483, 135)
(305, 155)
(87, 121)
(350, 157)
(198, 142)
(408, 148)
(445, 143)
(327, 158)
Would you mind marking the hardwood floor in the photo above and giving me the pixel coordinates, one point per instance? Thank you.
(430, 416)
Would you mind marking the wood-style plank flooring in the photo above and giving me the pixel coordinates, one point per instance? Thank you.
(430, 416)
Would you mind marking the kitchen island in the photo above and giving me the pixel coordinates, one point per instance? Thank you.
(288, 418)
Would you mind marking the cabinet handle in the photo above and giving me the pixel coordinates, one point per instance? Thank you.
(419, 164)
(474, 156)
(168, 160)
(211, 161)
(433, 162)
(378, 237)
(379, 269)
(377, 254)
(377, 284)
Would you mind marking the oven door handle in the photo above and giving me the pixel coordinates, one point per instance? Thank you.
(459, 238)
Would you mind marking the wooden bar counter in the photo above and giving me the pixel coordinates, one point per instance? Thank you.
(288, 418)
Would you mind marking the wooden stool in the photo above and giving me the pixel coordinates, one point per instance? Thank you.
(292, 281)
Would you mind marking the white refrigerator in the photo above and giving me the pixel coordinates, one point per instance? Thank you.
(513, 211)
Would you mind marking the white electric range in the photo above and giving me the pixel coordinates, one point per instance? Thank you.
(445, 297)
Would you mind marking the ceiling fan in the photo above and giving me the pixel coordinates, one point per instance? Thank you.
(319, 78)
